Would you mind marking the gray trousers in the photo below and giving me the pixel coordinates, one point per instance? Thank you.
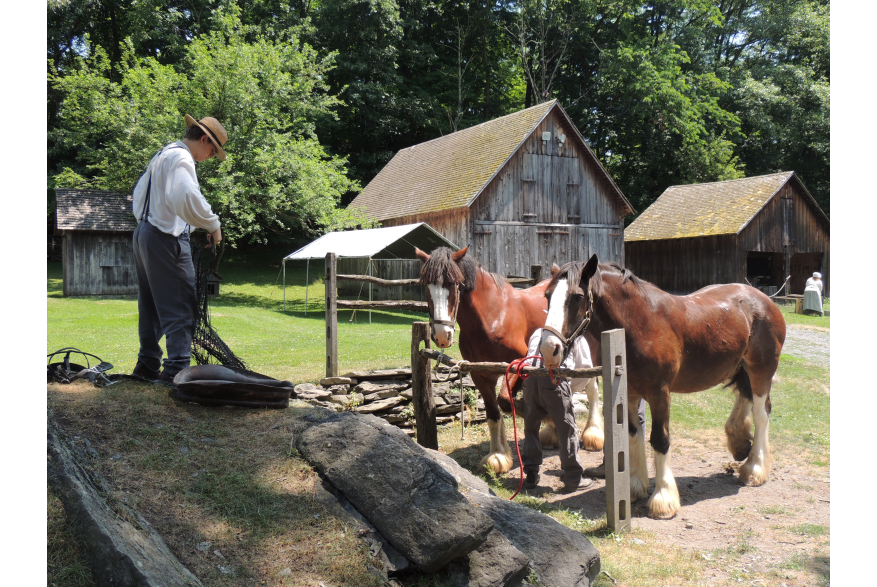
(166, 302)
(544, 398)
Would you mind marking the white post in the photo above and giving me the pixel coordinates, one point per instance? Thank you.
(616, 450)
(307, 283)
(284, 285)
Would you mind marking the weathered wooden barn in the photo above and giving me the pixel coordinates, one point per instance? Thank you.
(521, 190)
(758, 229)
(97, 254)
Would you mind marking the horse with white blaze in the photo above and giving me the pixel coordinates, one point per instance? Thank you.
(728, 335)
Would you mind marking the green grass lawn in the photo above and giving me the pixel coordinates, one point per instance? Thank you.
(249, 316)
(791, 317)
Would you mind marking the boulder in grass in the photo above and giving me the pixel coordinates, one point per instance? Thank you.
(412, 501)
(559, 556)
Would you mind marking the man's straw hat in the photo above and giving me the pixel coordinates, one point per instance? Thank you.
(214, 131)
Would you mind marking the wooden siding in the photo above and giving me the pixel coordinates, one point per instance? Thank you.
(549, 203)
(98, 263)
(787, 225)
(683, 265)
(384, 269)
(451, 224)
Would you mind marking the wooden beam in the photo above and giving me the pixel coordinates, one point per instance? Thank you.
(467, 367)
(331, 315)
(422, 400)
(382, 305)
(377, 280)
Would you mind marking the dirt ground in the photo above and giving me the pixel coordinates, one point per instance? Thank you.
(766, 527)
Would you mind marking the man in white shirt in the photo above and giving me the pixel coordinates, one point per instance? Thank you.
(542, 398)
(167, 203)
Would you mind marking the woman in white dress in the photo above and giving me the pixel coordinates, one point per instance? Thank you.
(813, 294)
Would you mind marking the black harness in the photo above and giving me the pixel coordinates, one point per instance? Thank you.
(580, 329)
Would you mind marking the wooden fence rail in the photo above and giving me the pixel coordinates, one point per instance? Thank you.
(333, 304)
(616, 439)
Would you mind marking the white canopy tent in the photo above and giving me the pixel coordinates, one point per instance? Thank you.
(392, 242)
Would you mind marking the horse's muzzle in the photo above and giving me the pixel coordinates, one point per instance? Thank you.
(552, 351)
(443, 337)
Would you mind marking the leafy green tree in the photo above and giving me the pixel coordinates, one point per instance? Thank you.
(277, 180)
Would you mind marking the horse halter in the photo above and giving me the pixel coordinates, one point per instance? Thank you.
(579, 330)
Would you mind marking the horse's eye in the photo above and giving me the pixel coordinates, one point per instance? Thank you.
(577, 296)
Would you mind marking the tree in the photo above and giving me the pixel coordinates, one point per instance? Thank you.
(277, 180)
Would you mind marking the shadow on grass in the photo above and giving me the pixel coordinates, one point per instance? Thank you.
(821, 567)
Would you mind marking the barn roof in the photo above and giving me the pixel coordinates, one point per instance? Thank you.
(451, 171)
(393, 242)
(710, 209)
(96, 210)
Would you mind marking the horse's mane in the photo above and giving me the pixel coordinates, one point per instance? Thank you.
(441, 269)
(572, 272)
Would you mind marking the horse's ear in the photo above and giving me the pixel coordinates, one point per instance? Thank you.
(588, 272)
(554, 269)
(424, 257)
(458, 256)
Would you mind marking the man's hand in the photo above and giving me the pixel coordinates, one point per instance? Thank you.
(214, 237)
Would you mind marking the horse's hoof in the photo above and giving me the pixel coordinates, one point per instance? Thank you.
(663, 505)
(548, 437)
(592, 439)
(497, 462)
(739, 444)
(753, 475)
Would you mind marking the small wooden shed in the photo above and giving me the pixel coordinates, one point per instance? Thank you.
(758, 229)
(97, 227)
(521, 190)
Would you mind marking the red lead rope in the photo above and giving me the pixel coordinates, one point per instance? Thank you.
(517, 366)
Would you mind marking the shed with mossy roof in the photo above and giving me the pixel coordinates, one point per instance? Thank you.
(521, 190)
(767, 231)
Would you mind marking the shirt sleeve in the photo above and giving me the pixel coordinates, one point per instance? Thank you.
(533, 345)
(580, 357)
(186, 198)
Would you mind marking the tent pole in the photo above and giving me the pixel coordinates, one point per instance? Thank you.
(284, 285)
(307, 283)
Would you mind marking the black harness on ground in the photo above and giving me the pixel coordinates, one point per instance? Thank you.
(66, 372)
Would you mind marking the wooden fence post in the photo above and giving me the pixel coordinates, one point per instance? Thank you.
(616, 449)
(421, 388)
(331, 315)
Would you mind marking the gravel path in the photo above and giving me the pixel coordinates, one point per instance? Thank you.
(811, 343)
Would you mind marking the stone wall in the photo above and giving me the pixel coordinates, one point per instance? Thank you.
(387, 394)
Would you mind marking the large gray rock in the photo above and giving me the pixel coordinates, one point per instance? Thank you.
(559, 556)
(412, 501)
(496, 563)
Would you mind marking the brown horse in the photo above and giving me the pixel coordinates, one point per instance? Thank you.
(722, 334)
(496, 321)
